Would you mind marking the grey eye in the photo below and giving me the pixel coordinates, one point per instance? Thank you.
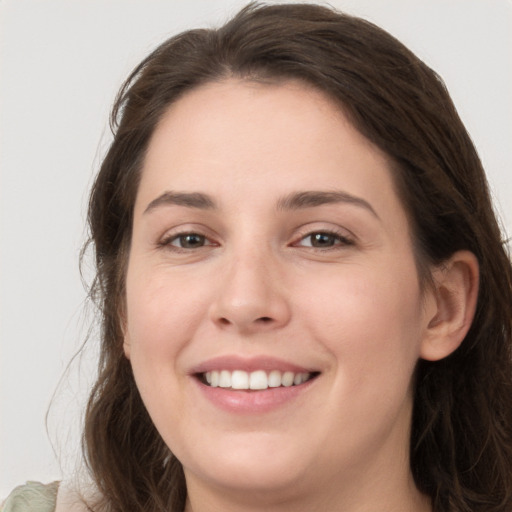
(321, 240)
(189, 241)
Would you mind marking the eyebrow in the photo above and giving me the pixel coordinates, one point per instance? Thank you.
(188, 199)
(293, 201)
(310, 199)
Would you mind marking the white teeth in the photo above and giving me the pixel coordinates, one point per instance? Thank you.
(256, 380)
(274, 379)
(224, 379)
(300, 378)
(287, 379)
(240, 380)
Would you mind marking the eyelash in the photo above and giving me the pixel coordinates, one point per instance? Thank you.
(340, 240)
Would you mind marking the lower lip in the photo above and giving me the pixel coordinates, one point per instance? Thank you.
(252, 402)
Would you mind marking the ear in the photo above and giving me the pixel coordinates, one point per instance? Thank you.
(453, 299)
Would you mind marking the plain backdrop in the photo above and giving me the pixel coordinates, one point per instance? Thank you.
(61, 63)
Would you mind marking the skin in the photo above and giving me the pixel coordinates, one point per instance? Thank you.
(255, 285)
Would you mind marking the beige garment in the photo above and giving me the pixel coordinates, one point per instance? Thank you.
(68, 500)
(32, 497)
(38, 497)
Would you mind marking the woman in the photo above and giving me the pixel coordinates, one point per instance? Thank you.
(306, 301)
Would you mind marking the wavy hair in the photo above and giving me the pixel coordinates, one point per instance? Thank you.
(461, 446)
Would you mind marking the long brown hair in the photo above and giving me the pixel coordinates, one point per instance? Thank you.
(461, 446)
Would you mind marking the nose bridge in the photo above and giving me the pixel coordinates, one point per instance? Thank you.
(251, 296)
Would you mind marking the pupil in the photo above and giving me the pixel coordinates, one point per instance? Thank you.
(190, 241)
(322, 240)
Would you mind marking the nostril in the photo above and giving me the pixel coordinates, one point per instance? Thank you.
(264, 319)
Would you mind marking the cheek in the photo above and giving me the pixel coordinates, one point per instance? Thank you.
(370, 319)
(160, 307)
(163, 315)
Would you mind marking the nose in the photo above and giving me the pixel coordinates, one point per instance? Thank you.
(251, 297)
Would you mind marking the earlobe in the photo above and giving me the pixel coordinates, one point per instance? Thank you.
(454, 293)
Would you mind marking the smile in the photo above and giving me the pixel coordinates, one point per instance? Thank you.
(256, 380)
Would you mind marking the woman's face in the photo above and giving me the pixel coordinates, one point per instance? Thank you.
(269, 246)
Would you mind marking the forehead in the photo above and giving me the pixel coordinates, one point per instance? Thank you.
(270, 137)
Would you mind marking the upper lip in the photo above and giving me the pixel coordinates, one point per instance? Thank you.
(248, 364)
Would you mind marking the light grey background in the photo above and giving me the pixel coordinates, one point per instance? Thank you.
(61, 63)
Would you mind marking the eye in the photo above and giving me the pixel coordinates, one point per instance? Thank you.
(187, 241)
(324, 240)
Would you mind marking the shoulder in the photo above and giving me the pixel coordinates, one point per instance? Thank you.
(32, 497)
(77, 497)
(54, 497)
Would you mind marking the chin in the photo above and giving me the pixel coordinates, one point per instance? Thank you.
(258, 463)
